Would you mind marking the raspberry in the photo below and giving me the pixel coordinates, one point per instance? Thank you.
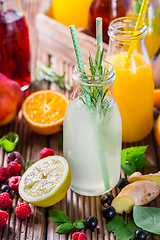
(23, 210)
(14, 168)
(14, 182)
(3, 218)
(5, 201)
(79, 236)
(4, 174)
(14, 156)
(45, 152)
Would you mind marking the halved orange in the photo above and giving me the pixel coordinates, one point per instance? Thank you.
(44, 111)
(157, 130)
(157, 98)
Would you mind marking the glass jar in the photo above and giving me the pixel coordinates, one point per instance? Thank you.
(92, 133)
(134, 84)
(14, 43)
(107, 10)
(152, 21)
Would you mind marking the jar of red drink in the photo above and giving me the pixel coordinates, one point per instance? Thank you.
(107, 10)
(14, 43)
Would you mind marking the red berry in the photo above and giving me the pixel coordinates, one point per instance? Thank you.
(5, 201)
(14, 156)
(23, 210)
(14, 168)
(79, 236)
(4, 174)
(3, 218)
(14, 182)
(45, 152)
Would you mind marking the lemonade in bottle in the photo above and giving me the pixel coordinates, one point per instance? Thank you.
(134, 84)
(92, 133)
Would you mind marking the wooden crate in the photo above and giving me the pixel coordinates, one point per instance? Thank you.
(55, 38)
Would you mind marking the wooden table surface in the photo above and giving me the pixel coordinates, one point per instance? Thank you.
(38, 226)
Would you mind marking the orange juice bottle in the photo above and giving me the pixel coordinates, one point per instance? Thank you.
(134, 84)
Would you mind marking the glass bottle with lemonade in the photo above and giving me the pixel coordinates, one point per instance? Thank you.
(134, 84)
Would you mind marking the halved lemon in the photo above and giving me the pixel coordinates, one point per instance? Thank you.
(44, 111)
(46, 182)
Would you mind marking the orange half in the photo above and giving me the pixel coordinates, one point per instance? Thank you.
(157, 98)
(157, 130)
(44, 111)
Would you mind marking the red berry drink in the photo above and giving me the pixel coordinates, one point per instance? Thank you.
(14, 47)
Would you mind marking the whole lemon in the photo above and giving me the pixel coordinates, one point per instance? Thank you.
(71, 12)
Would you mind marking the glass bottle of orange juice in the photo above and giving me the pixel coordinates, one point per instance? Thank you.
(134, 84)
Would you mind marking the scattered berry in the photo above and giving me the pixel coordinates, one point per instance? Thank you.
(14, 182)
(140, 234)
(122, 183)
(5, 201)
(14, 157)
(79, 236)
(108, 213)
(4, 174)
(14, 168)
(45, 152)
(107, 198)
(3, 218)
(91, 222)
(23, 210)
(5, 188)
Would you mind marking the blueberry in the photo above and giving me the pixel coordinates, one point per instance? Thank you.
(122, 183)
(140, 234)
(107, 198)
(108, 213)
(91, 222)
(5, 188)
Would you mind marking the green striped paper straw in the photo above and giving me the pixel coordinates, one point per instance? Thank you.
(77, 48)
(99, 31)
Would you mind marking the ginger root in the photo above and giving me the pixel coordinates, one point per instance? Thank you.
(153, 177)
(136, 193)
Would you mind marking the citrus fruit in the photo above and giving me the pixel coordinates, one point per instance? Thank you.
(46, 182)
(71, 12)
(157, 98)
(44, 111)
(157, 130)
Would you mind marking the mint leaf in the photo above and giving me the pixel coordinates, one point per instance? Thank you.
(136, 6)
(133, 158)
(58, 217)
(79, 224)
(9, 141)
(147, 218)
(64, 228)
(121, 229)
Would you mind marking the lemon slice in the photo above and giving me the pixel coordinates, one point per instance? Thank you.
(46, 182)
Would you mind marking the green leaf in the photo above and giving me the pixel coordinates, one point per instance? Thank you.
(60, 143)
(128, 169)
(147, 218)
(58, 217)
(79, 224)
(64, 228)
(9, 141)
(136, 6)
(121, 229)
(133, 158)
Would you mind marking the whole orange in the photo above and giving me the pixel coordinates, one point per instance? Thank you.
(157, 98)
(71, 12)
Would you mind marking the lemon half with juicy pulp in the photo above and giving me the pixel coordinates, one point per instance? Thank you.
(46, 182)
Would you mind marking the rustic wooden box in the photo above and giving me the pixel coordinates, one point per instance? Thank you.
(55, 39)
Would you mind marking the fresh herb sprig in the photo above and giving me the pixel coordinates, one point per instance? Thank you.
(133, 158)
(96, 93)
(46, 73)
(64, 223)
